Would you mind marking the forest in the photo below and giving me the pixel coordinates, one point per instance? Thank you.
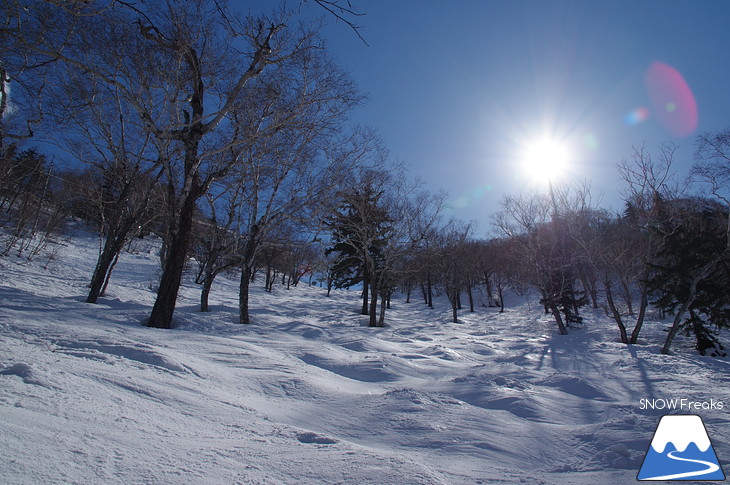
(228, 136)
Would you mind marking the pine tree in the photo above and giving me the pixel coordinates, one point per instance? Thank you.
(360, 229)
(693, 270)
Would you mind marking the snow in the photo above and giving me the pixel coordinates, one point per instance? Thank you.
(309, 394)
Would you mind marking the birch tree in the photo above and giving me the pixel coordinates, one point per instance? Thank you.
(301, 155)
(181, 67)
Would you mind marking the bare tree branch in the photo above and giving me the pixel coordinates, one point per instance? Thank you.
(341, 13)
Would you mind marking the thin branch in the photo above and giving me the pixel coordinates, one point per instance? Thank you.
(339, 11)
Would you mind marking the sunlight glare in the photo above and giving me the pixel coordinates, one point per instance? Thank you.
(545, 160)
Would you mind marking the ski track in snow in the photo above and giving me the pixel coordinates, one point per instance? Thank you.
(309, 394)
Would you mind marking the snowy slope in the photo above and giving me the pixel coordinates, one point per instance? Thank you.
(309, 394)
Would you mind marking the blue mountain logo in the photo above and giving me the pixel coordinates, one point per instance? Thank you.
(681, 450)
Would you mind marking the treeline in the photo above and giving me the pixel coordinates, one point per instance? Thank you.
(668, 249)
(227, 135)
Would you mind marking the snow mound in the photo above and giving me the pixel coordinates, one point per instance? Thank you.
(367, 370)
(314, 438)
(26, 373)
(111, 352)
(576, 386)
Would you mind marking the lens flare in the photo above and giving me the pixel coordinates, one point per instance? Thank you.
(637, 116)
(590, 141)
(471, 197)
(672, 99)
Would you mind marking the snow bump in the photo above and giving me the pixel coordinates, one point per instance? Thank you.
(315, 439)
(109, 352)
(367, 370)
(23, 371)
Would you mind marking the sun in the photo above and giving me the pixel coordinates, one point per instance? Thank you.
(545, 160)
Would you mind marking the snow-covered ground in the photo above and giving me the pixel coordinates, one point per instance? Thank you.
(308, 394)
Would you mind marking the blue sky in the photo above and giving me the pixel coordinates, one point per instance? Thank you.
(458, 88)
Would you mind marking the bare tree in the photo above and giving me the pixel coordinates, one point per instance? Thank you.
(712, 165)
(293, 172)
(102, 131)
(217, 238)
(503, 265)
(32, 208)
(453, 264)
(649, 179)
(343, 11)
(426, 260)
(526, 221)
(650, 183)
(182, 67)
(622, 260)
(414, 214)
(545, 231)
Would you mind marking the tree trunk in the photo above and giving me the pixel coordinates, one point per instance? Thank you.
(640, 319)
(589, 286)
(364, 310)
(383, 305)
(454, 308)
(165, 235)
(112, 247)
(164, 307)
(243, 288)
(616, 314)
(207, 284)
(558, 319)
(248, 273)
(373, 305)
(97, 280)
(471, 298)
(109, 275)
(501, 298)
(675, 326)
(429, 290)
(488, 284)
(627, 296)
(703, 273)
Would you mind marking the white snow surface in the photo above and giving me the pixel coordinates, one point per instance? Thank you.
(308, 394)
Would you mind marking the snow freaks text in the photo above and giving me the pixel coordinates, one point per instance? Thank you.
(680, 404)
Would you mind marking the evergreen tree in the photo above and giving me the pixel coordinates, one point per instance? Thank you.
(693, 269)
(360, 228)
